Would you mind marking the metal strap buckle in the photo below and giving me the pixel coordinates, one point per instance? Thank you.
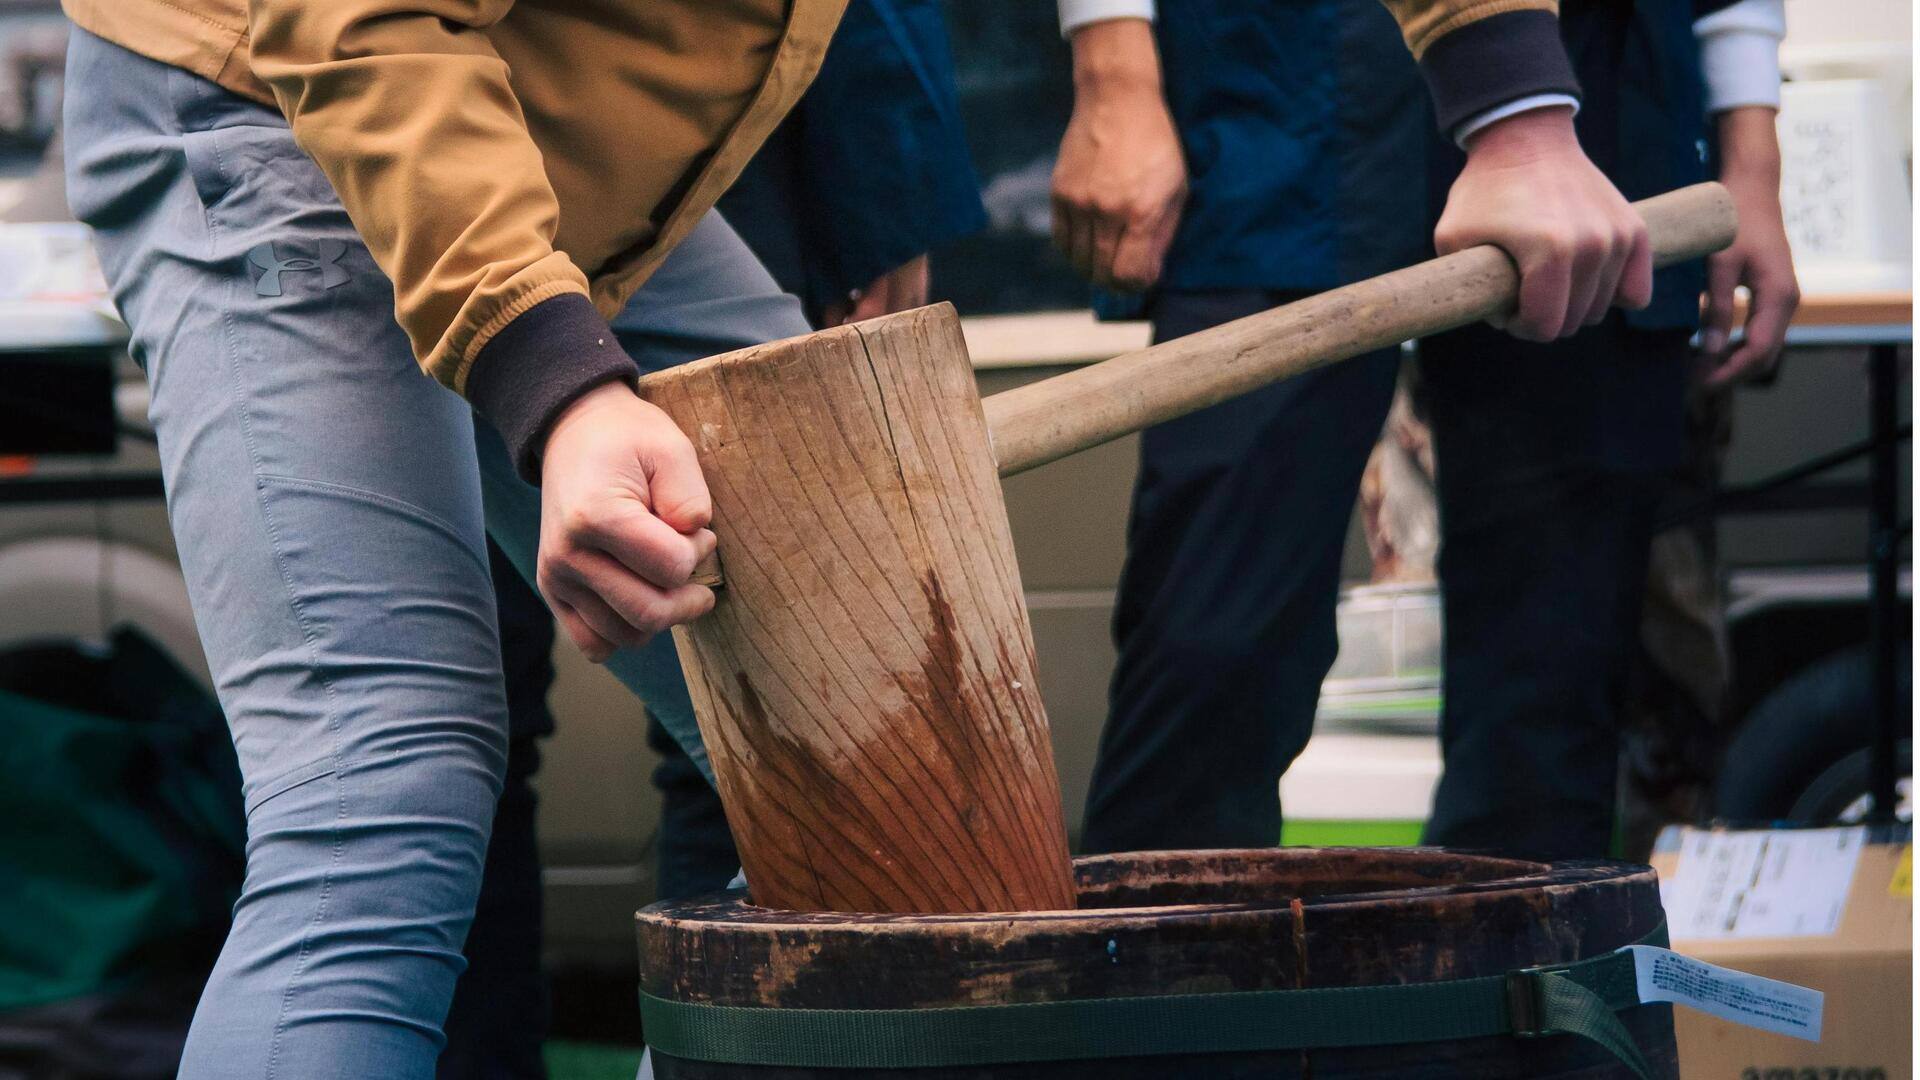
(1526, 1000)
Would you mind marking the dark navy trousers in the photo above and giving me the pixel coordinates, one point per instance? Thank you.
(1549, 459)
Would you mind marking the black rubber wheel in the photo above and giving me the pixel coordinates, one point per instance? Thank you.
(1813, 721)
(1842, 793)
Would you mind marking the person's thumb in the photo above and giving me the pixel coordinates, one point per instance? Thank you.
(678, 489)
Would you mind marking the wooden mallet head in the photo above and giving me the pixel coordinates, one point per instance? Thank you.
(866, 681)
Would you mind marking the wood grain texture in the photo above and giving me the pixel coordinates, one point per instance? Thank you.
(1186, 922)
(865, 684)
(1042, 421)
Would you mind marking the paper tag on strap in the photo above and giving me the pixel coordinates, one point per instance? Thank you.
(1749, 1000)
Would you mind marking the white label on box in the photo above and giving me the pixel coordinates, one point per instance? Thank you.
(1763, 1004)
(1761, 883)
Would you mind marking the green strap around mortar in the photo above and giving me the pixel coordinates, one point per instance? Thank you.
(1580, 998)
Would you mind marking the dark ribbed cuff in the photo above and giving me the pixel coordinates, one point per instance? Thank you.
(1498, 59)
(536, 366)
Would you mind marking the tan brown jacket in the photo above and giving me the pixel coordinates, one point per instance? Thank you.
(508, 162)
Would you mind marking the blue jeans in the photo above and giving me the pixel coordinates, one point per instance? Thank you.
(330, 504)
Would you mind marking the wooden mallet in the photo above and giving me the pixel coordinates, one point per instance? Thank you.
(865, 683)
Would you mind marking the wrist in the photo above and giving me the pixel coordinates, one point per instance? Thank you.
(1116, 57)
(608, 395)
(536, 366)
(1534, 134)
(1749, 145)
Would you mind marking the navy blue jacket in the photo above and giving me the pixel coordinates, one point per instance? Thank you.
(1312, 154)
(871, 168)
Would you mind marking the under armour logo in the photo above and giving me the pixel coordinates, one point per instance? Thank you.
(326, 259)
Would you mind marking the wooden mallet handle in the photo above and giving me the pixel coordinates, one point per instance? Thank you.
(1042, 421)
(1046, 420)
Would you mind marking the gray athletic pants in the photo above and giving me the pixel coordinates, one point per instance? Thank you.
(330, 503)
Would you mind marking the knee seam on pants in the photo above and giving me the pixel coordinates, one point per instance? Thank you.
(236, 386)
(425, 517)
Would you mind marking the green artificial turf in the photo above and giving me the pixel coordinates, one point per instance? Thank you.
(1349, 833)
(591, 1061)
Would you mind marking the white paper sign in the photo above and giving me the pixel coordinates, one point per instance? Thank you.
(1761, 883)
(1763, 1004)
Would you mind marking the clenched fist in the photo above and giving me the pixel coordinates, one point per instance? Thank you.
(623, 522)
(1529, 188)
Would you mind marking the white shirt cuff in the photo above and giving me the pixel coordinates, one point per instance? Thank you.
(1740, 54)
(1512, 108)
(1075, 14)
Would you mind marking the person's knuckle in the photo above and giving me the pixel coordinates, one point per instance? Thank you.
(568, 562)
(650, 617)
(560, 571)
(577, 522)
(1542, 321)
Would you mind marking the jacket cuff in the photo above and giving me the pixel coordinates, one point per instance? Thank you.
(1740, 54)
(1075, 14)
(1494, 60)
(536, 365)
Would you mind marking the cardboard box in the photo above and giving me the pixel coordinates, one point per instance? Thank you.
(1830, 909)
